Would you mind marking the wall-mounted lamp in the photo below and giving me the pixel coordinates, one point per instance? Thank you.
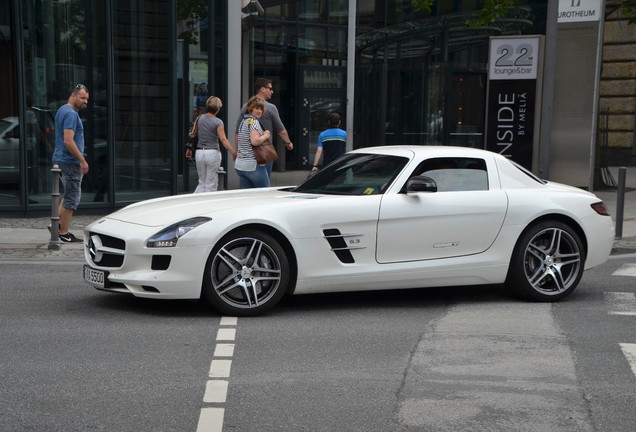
(252, 7)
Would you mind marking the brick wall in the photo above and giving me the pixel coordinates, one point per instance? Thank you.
(618, 87)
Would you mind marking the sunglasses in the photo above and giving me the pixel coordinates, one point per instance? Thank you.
(79, 87)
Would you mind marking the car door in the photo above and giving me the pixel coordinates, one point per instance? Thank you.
(462, 218)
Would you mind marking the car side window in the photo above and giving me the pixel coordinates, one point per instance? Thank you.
(455, 174)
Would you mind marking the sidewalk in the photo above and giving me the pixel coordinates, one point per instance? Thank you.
(28, 238)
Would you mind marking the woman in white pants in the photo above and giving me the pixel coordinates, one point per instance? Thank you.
(210, 131)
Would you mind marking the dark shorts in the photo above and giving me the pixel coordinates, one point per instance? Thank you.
(72, 184)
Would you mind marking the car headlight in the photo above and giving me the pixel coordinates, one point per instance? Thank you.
(168, 237)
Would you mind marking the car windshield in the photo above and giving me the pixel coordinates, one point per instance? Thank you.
(355, 174)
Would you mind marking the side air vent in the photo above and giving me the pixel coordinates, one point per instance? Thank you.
(339, 246)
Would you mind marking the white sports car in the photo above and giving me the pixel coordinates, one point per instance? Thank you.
(377, 218)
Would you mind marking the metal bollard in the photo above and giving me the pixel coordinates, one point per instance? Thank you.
(620, 202)
(221, 182)
(55, 243)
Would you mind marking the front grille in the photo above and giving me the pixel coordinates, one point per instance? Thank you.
(112, 242)
(109, 260)
(106, 251)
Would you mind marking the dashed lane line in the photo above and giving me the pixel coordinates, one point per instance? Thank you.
(211, 420)
(216, 391)
(220, 368)
(211, 417)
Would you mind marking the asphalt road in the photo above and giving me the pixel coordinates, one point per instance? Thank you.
(470, 359)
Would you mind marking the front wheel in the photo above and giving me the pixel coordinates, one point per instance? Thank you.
(247, 274)
(547, 263)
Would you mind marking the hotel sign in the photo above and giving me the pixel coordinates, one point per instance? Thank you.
(512, 94)
(513, 58)
(580, 10)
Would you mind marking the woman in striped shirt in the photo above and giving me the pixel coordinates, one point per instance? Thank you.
(250, 134)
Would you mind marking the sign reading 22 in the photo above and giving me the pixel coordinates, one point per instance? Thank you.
(508, 55)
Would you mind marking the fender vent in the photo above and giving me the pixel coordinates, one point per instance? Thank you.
(339, 246)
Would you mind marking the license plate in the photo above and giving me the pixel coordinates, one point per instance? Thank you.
(94, 277)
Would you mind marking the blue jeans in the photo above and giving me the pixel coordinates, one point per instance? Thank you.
(254, 179)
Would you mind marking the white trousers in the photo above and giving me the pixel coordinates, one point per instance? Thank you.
(208, 163)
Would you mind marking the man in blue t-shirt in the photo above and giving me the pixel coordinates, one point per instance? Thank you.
(69, 156)
(331, 141)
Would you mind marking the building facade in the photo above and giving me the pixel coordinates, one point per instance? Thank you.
(419, 77)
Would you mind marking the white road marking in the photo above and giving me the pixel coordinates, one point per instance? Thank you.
(629, 349)
(229, 321)
(211, 420)
(621, 303)
(220, 368)
(226, 334)
(216, 391)
(224, 350)
(626, 270)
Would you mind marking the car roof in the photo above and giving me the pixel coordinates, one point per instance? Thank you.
(425, 151)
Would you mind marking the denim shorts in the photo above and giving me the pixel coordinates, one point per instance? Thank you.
(72, 184)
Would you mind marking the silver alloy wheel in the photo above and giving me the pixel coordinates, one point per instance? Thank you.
(245, 273)
(552, 261)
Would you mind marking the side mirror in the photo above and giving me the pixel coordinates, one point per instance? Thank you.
(421, 184)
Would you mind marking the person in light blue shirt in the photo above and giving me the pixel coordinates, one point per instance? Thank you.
(69, 157)
(331, 142)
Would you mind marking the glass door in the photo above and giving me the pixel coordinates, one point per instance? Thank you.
(323, 92)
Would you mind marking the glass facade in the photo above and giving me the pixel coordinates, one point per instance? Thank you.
(145, 64)
(428, 72)
(420, 78)
(142, 104)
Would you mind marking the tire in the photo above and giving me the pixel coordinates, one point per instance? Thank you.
(247, 274)
(547, 263)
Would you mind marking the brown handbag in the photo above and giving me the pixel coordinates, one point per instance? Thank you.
(193, 137)
(265, 152)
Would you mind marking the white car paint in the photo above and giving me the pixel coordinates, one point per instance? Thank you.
(395, 239)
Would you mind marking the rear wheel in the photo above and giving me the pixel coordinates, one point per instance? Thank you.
(547, 263)
(247, 274)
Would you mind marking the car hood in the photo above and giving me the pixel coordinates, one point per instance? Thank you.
(166, 211)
